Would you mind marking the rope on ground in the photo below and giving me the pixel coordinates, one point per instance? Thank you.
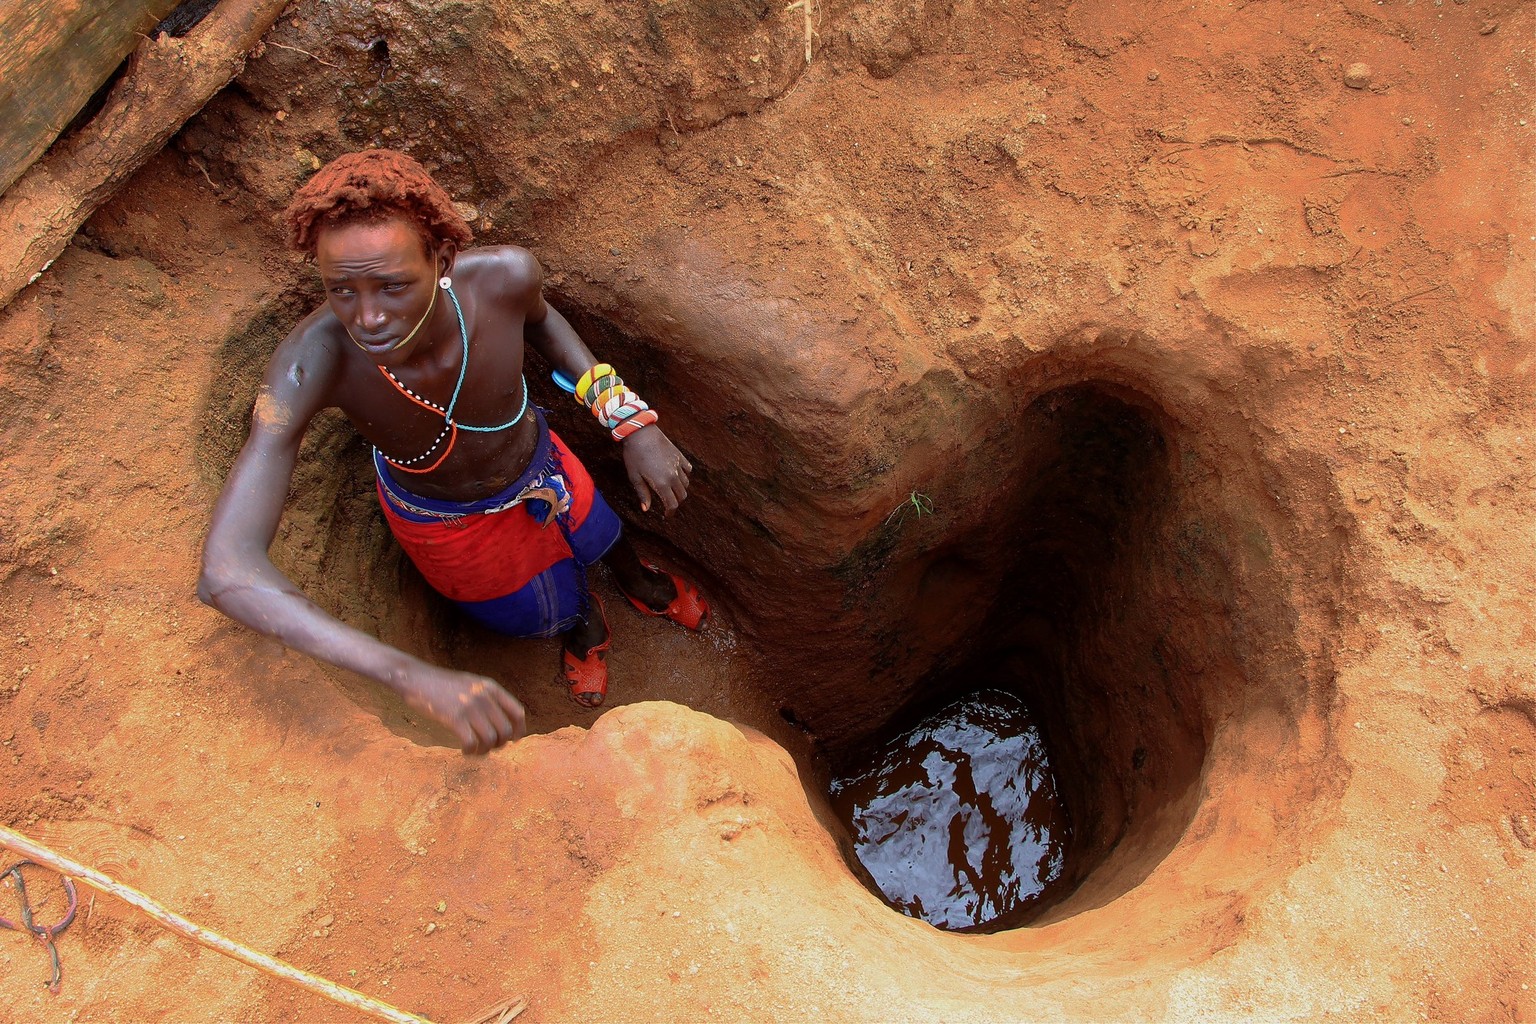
(36, 852)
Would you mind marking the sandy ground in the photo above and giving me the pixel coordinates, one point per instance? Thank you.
(1188, 196)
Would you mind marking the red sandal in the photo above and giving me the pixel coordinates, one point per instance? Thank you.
(586, 678)
(688, 609)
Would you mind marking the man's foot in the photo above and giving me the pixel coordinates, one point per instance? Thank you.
(668, 595)
(584, 658)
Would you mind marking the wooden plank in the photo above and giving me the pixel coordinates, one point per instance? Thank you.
(56, 54)
(167, 82)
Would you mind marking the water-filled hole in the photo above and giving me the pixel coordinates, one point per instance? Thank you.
(958, 819)
(1094, 616)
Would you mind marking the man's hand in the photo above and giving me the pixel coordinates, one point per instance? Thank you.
(478, 711)
(655, 465)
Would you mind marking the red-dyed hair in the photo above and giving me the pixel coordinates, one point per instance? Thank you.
(371, 186)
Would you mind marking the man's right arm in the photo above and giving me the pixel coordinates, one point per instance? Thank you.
(239, 579)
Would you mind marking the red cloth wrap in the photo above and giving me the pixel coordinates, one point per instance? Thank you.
(480, 557)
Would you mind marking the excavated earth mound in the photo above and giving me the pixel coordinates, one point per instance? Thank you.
(1122, 356)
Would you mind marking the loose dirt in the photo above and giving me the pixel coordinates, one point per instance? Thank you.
(974, 252)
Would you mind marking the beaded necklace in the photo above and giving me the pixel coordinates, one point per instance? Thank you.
(451, 427)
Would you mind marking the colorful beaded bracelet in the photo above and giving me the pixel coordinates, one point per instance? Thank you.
(643, 418)
(621, 412)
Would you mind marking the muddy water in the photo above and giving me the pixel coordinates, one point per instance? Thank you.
(958, 819)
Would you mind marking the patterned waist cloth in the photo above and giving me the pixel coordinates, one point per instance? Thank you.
(496, 557)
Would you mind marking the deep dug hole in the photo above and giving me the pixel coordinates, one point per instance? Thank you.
(1069, 632)
(1125, 586)
(1126, 623)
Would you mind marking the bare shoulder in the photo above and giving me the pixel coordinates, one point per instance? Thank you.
(302, 376)
(508, 274)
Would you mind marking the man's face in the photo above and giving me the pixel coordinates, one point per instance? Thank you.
(379, 282)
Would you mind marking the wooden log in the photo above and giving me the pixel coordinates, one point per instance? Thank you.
(56, 54)
(167, 81)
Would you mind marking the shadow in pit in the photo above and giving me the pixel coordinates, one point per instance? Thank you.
(1081, 628)
(1125, 622)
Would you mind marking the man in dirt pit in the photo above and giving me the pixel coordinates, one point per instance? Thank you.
(420, 344)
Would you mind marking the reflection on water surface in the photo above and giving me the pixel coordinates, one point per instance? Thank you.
(958, 819)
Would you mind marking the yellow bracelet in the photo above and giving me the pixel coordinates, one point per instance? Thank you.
(587, 378)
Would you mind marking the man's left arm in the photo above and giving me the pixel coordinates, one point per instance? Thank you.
(651, 460)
